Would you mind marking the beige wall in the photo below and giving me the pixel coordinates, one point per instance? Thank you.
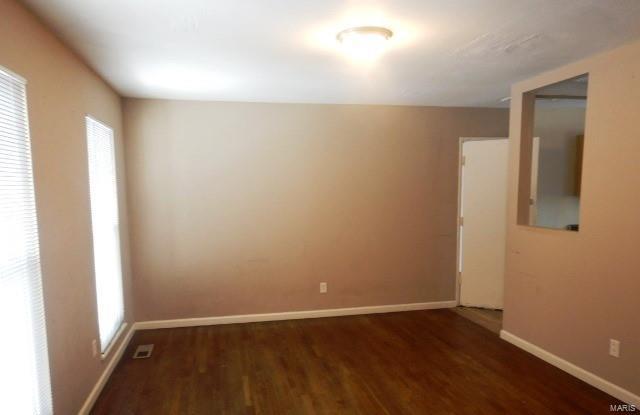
(570, 292)
(60, 91)
(243, 208)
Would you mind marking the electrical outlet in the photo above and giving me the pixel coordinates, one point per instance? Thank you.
(614, 348)
(94, 347)
(323, 288)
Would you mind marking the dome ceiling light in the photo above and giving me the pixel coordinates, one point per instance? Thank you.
(364, 43)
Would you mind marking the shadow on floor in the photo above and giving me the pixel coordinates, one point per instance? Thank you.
(489, 319)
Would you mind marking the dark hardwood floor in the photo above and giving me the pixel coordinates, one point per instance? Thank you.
(421, 362)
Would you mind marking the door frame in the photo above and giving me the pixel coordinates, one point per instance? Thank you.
(461, 142)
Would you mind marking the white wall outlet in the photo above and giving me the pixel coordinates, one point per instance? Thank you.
(94, 347)
(614, 348)
(323, 288)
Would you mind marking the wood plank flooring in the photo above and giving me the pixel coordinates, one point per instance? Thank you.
(420, 362)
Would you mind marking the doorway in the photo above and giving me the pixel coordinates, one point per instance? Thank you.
(482, 222)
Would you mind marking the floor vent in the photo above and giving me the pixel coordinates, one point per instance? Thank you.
(143, 351)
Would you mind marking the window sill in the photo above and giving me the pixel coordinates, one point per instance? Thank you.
(113, 342)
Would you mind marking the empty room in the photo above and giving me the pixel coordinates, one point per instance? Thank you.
(319, 207)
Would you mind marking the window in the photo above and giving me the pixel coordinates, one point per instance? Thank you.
(553, 121)
(106, 230)
(24, 362)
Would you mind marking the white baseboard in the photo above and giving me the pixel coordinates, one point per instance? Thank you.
(584, 375)
(102, 380)
(290, 315)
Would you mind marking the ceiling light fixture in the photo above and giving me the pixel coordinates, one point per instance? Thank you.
(364, 43)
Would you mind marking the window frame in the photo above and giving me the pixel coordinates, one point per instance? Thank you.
(106, 348)
(32, 282)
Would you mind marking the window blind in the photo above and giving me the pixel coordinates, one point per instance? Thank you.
(24, 365)
(106, 229)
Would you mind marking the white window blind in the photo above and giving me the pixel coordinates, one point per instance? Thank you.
(24, 364)
(105, 225)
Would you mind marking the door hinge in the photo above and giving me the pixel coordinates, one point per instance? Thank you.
(461, 220)
(464, 160)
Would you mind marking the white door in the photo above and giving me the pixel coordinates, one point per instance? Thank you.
(483, 209)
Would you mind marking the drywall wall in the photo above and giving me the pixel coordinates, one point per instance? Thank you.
(557, 202)
(60, 91)
(241, 208)
(570, 292)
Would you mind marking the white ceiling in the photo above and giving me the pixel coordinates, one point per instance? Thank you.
(447, 52)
